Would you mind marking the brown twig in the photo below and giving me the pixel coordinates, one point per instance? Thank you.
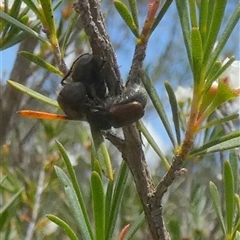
(136, 161)
(115, 140)
(138, 58)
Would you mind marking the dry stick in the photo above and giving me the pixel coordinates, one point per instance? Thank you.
(131, 147)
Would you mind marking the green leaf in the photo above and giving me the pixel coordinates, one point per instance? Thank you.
(185, 24)
(10, 34)
(49, 21)
(216, 71)
(33, 94)
(21, 26)
(215, 23)
(160, 15)
(210, 76)
(231, 140)
(174, 108)
(102, 152)
(133, 7)
(126, 16)
(15, 9)
(135, 226)
(152, 143)
(9, 209)
(12, 39)
(117, 199)
(237, 215)
(220, 121)
(174, 227)
(217, 205)
(234, 19)
(72, 23)
(237, 237)
(75, 184)
(33, 7)
(233, 159)
(193, 15)
(157, 104)
(211, 134)
(98, 205)
(18, 13)
(95, 165)
(203, 19)
(229, 196)
(74, 205)
(40, 62)
(209, 18)
(224, 94)
(108, 204)
(67, 229)
(197, 55)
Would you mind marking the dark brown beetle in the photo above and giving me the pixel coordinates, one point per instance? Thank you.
(88, 69)
(86, 96)
(122, 110)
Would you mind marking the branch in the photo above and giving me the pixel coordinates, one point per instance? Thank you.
(94, 27)
(115, 140)
(131, 146)
(138, 58)
(133, 154)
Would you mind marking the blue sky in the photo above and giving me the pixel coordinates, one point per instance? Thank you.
(157, 44)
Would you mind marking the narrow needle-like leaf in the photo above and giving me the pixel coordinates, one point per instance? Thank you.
(153, 144)
(67, 229)
(229, 196)
(117, 199)
(231, 140)
(217, 205)
(33, 94)
(74, 205)
(75, 184)
(126, 16)
(98, 205)
(39, 61)
(102, 152)
(174, 108)
(134, 11)
(135, 226)
(21, 26)
(157, 104)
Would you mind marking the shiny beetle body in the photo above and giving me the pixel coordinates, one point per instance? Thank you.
(86, 96)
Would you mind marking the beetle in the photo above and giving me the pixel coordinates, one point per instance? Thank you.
(86, 96)
(123, 109)
(89, 70)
